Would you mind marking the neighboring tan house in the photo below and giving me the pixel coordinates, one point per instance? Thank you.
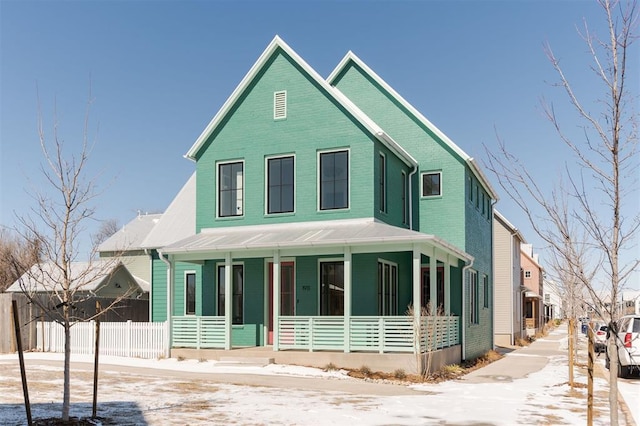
(508, 294)
(553, 304)
(532, 280)
(321, 211)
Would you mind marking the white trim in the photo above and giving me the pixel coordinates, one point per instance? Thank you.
(319, 177)
(184, 283)
(432, 172)
(350, 56)
(244, 195)
(266, 183)
(280, 105)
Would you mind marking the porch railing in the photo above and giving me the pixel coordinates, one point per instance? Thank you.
(317, 333)
(198, 332)
(381, 334)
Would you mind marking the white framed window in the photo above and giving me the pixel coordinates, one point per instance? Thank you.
(474, 317)
(387, 288)
(382, 182)
(333, 179)
(190, 293)
(485, 287)
(405, 200)
(231, 189)
(331, 287)
(237, 292)
(280, 105)
(527, 274)
(280, 183)
(431, 184)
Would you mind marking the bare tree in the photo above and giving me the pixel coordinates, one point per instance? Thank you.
(17, 255)
(107, 228)
(58, 223)
(588, 242)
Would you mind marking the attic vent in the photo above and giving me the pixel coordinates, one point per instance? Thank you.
(280, 105)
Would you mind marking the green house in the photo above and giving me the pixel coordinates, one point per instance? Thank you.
(323, 210)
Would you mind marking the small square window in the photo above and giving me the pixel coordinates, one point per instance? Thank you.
(527, 274)
(431, 184)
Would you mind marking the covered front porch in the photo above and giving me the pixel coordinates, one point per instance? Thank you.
(308, 310)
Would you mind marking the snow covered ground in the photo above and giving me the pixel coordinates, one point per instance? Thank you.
(183, 392)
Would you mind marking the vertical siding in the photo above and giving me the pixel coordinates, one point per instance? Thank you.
(503, 261)
(159, 294)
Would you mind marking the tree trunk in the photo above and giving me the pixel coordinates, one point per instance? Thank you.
(66, 397)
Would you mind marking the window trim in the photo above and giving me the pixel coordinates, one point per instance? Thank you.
(320, 261)
(233, 265)
(404, 199)
(527, 273)
(195, 292)
(276, 95)
(382, 182)
(219, 165)
(474, 313)
(266, 183)
(319, 178)
(485, 283)
(422, 175)
(392, 285)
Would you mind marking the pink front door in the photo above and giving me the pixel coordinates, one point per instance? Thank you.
(287, 294)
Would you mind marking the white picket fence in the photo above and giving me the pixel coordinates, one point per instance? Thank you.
(126, 339)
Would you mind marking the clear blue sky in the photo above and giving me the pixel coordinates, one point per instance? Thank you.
(160, 70)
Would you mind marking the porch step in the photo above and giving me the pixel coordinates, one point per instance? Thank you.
(237, 361)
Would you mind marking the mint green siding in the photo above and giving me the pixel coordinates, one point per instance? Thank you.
(451, 216)
(159, 293)
(315, 122)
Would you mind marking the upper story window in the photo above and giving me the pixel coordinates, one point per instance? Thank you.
(405, 205)
(382, 183)
(431, 184)
(334, 180)
(280, 185)
(280, 105)
(470, 189)
(527, 274)
(231, 189)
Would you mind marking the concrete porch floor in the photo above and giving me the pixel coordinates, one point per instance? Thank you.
(386, 362)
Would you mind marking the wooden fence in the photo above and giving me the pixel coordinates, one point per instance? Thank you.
(126, 339)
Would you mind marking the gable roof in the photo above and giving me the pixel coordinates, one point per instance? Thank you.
(178, 221)
(499, 217)
(131, 235)
(272, 48)
(351, 57)
(45, 277)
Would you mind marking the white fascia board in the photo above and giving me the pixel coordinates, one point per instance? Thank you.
(350, 56)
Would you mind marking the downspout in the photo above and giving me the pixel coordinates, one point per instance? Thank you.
(465, 268)
(169, 290)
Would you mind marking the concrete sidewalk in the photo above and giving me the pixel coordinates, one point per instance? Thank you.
(518, 363)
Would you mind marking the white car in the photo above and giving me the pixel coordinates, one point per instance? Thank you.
(600, 338)
(628, 342)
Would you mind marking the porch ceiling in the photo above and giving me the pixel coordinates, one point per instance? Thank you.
(361, 235)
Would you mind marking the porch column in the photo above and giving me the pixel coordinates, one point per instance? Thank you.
(447, 286)
(433, 283)
(347, 299)
(276, 300)
(228, 296)
(416, 293)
